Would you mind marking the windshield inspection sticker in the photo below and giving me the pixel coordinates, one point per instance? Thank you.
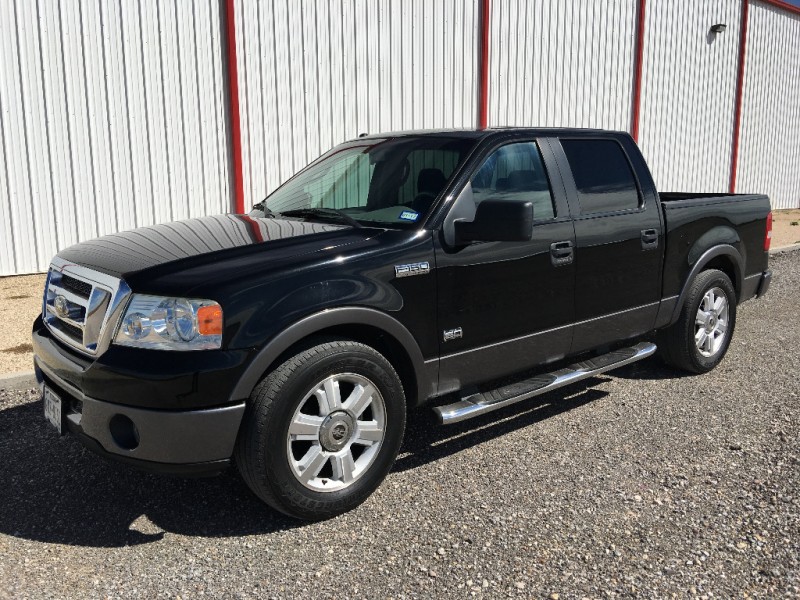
(409, 215)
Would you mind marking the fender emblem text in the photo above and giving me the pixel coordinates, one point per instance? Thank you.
(420, 268)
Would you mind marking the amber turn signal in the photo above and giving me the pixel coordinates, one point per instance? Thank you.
(209, 320)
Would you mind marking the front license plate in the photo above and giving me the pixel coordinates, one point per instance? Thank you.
(52, 408)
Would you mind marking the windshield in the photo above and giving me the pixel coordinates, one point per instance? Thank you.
(389, 181)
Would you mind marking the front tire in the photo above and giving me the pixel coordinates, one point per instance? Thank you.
(700, 338)
(322, 430)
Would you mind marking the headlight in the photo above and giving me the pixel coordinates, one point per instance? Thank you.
(171, 324)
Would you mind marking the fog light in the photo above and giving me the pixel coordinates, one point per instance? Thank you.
(124, 432)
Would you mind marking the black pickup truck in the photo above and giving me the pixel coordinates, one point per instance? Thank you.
(464, 269)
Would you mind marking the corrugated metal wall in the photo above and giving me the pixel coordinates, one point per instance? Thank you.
(566, 64)
(769, 148)
(689, 93)
(112, 115)
(315, 73)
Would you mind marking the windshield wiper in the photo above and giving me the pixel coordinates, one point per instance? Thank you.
(328, 213)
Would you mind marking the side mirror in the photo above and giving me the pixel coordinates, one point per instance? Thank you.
(497, 221)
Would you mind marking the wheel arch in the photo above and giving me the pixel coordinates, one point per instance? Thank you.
(368, 326)
(723, 257)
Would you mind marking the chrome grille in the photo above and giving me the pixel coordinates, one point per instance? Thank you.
(81, 307)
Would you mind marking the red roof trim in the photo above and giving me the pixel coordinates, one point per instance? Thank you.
(783, 5)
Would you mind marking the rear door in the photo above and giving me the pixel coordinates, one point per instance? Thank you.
(505, 306)
(618, 259)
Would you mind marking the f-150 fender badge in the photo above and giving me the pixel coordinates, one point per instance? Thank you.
(420, 268)
(453, 334)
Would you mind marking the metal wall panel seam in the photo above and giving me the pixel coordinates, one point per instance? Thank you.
(93, 195)
(167, 165)
(201, 141)
(182, 201)
(71, 113)
(148, 149)
(127, 111)
(106, 101)
(7, 224)
(49, 179)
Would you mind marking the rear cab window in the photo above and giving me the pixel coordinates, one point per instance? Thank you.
(603, 175)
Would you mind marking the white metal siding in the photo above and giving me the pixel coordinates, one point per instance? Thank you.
(689, 93)
(315, 73)
(567, 64)
(769, 146)
(112, 115)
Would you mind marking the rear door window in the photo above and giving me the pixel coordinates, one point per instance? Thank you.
(603, 175)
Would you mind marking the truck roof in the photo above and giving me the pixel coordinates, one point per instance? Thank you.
(475, 133)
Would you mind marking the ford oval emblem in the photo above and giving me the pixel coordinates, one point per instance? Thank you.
(61, 306)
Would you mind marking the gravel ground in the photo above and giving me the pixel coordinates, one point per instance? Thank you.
(785, 227)
(642, 483)
(20, 302)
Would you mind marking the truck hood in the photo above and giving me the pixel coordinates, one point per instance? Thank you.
(183, 242)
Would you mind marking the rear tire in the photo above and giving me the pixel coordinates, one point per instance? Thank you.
(698, 341)
(322, 430)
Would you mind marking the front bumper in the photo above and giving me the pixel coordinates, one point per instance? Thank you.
(190, 440)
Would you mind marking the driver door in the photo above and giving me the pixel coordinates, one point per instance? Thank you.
(506, 306)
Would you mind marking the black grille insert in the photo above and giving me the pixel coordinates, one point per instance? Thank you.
(76, 286)
(74, 332)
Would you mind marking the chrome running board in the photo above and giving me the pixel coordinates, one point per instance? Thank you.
(481, 403)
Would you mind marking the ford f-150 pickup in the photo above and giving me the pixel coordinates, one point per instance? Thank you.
(468, 270)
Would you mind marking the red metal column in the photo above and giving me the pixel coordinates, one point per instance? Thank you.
(233, 88)
(637, 78)
(737, 115)
(483, 117)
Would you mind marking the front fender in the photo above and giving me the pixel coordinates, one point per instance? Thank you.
(426, 374)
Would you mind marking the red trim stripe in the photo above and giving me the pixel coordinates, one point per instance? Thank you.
(637, 79)
(737, 115)
(233, 88)
(483, 118)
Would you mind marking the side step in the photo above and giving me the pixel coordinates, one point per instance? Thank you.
(484, 402)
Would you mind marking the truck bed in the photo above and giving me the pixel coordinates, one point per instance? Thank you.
(681, 196)
(737, 220)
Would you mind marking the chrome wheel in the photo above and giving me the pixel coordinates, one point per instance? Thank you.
(336, 432)
(711, 322)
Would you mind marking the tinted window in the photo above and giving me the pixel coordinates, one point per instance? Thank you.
(390, 181)
(516, 173)
(429, 171)
(603, 175)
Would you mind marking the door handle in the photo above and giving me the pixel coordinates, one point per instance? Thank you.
(649, 239)
(561, 253)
